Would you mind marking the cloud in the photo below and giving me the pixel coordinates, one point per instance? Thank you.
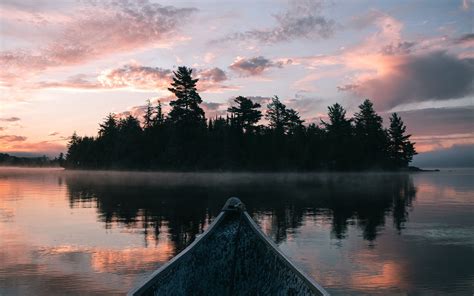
(439, 121)
(347, 87)
(100, 29)
(78, 81)
(465, 40)
(403, 47)
(213, 75)
(38, 148)
(255, 66)
(136, 76)
(438, 128)
(10, 119)
(139, 77)
(53, 134)
(432, 76)
(263, 101)
(454, 156)
(392, 71)
(440, 142)
(302, 19)
(211, 80)
(213, 109)
(12, 138)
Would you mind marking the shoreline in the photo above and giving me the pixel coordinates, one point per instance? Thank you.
(263, 172)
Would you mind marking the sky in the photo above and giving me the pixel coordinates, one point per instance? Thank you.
(65, 65)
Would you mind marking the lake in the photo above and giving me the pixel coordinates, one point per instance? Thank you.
(100, 233)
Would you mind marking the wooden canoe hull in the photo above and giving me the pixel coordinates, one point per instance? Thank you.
(233, 257)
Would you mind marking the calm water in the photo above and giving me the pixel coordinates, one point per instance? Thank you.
(101, 233)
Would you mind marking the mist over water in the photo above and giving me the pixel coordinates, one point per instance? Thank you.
(76, 232)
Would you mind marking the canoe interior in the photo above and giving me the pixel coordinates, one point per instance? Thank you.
(230, 259)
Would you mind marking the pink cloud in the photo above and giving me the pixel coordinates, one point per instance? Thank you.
(121, 27)
(393, 71)
(432, 76)
(136, 76)
(11, 138)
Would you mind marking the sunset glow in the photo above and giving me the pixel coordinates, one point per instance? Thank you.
(64, 69)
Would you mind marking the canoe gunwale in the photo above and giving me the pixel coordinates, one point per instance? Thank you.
(311, 283)
(150, 280)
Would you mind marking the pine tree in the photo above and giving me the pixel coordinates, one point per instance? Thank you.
(73, 152)
(294, 123)
(371, 136)
(148, 117)
(108, 129)
(401, 150)
(245, 114)
(159, 118)
(185, 109)
(277, 115)
(339, 137)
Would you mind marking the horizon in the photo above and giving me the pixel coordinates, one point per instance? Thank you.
(65, 70)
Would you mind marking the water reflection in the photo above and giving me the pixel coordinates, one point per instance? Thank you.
(187, 206)
(79, 233)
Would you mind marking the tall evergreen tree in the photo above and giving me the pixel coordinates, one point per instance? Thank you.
(185, 109)
(159, 118)
(72, 154)
(108, 140)
(245, 114)
(108, 129)
(371, 136)
(294, 123)
(401, 149)
(130, 139)
(276, 115)
(148, 116)
(339, 137)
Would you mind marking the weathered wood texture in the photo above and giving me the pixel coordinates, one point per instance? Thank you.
(232, 259)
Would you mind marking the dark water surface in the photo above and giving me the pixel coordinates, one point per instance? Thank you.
(70, 233)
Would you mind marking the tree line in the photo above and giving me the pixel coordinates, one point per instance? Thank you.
(184, 139)
(42, 161)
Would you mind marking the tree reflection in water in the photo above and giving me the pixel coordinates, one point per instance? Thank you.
(186, 203)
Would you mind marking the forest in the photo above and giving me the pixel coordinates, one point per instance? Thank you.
(43, 161)
(185, 140)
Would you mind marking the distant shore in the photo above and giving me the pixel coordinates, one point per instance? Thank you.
(411, 169)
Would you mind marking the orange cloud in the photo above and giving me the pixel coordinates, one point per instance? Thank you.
(439, 142)
(13, 144)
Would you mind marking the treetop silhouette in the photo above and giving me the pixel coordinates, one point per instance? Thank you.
(183, 140)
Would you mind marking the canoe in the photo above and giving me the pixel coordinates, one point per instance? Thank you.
(232, 257)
